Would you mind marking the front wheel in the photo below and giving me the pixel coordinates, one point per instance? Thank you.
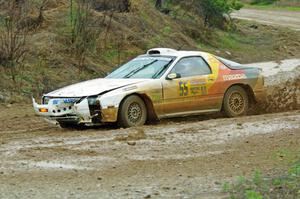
(236, 102)
(132, 112)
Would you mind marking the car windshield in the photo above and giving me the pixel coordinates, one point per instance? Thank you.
(228, 62)
(142, 68)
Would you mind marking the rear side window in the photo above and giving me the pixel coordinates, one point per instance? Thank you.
(191, 66)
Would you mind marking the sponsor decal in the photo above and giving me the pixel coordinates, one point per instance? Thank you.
(193, 87)
(197, 82)
(55, 102)
(198, 87)
(198, 90)
(69, 101)
(183, 88)
(234, 77)
(64, 101)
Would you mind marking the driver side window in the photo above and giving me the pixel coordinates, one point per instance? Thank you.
(191, 66)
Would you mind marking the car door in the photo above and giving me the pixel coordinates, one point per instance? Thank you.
(189, 92)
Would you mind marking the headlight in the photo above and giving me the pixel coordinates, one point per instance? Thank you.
(46, 100)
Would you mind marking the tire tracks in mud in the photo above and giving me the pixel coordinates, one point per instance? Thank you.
(170, 137)
(176, 159)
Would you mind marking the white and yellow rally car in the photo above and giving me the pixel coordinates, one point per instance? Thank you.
(161, 83)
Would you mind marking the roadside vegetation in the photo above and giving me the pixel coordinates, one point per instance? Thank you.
(273, 7)
(262, 186)
(289, 5)
(55, 43)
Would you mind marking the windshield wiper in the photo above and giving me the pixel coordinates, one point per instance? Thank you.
(162, 70)
(139, 69)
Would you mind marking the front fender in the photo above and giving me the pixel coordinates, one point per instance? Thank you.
(110, 103)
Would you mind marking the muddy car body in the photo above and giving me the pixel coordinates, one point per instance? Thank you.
(161, 83)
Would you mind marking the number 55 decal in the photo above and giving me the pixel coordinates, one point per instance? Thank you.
(183, 88)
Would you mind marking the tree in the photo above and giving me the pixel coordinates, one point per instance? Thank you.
(159, 4)
(12, 42)
(82, 31)
(213, 11)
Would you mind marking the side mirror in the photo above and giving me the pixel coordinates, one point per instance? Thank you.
(172, 76)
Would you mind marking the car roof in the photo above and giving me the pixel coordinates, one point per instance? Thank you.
(173, 52)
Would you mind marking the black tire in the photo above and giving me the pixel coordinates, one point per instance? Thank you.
(132, 112)
(235, 102)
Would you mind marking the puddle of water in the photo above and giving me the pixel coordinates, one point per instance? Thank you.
(56, 165)
(173, 156)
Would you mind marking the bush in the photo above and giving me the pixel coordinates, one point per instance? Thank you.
(213, 11)
(259, 187)
(263, 2)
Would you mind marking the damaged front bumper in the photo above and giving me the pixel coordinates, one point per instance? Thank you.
(64, 110)
(75, 110)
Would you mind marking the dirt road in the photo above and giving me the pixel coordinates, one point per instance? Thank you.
(177, 158)
(289, 19)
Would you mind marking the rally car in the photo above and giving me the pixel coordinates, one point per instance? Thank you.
(161, 83)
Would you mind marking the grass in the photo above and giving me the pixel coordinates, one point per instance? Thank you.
(51, 62)
(258, 186)
(273, 7)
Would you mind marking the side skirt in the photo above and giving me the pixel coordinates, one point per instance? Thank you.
(187, 113)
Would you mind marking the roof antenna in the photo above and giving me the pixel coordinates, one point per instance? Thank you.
(180, 47)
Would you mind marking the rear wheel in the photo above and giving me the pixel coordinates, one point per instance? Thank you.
(236, 102)
(132, 112)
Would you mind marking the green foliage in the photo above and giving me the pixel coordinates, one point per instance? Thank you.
(263, 2)
(250, 194)
(257, 180)
(213, 11)
(258, 187)
(273, 7)
(110, 55)
(226, 187)
(167, 30)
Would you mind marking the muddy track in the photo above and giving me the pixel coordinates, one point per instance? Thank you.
(177, 158)
(289, 19)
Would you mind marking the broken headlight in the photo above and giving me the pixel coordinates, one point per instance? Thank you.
(93, 101)
(45, 100)
(95, 108)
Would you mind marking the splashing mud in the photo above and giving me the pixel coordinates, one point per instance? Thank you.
(283, 97)
(282, 81)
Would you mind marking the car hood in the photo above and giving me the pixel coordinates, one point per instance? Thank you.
(93, 87)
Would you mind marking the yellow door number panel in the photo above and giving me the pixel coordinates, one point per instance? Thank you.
(192, 87)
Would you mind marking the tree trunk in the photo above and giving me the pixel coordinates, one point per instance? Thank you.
(159, 4)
